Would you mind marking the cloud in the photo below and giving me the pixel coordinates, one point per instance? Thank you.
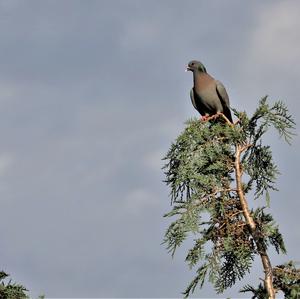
(6, 161)
(139, 34)
(269, 57)
(137, 201)
(275, 40)
(273, 46)
(153, 160)
(7, 91)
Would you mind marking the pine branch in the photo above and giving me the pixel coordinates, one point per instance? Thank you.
(11, 290)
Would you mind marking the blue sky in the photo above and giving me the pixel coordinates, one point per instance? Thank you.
(92, 93)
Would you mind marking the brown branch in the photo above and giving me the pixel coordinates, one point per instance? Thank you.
(240, 191)
(245, 147)
(236, 213)
(226, 119)
(268, 281)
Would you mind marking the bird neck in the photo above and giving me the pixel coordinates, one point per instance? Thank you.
(201, 79)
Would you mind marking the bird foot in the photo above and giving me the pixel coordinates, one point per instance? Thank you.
(204, 118)
(207, 118)
(215, 116)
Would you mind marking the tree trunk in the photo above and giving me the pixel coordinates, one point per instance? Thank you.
(268, 281)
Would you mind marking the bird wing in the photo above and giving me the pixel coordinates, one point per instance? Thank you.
(193, 98)
(223, 96)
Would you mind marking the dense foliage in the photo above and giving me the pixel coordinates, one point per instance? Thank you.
(203, 169)
(11, 290)
(286, 279)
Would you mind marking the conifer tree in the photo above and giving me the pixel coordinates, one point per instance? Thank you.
(12, 290)
(213, 169)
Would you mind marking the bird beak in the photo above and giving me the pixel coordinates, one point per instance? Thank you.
(188, 69)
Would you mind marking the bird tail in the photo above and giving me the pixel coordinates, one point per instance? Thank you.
(227, 113)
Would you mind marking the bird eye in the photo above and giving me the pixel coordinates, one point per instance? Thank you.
(192, 63)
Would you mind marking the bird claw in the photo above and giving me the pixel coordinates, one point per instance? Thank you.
(213, 117)
(207, 118)
(204, 118)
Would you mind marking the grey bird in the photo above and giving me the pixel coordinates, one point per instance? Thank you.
(209, 96)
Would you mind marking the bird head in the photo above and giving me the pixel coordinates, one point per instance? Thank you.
(196, 66)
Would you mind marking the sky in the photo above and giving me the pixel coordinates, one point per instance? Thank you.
(92, 93)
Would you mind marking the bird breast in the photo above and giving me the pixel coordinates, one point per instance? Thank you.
(205, 88)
